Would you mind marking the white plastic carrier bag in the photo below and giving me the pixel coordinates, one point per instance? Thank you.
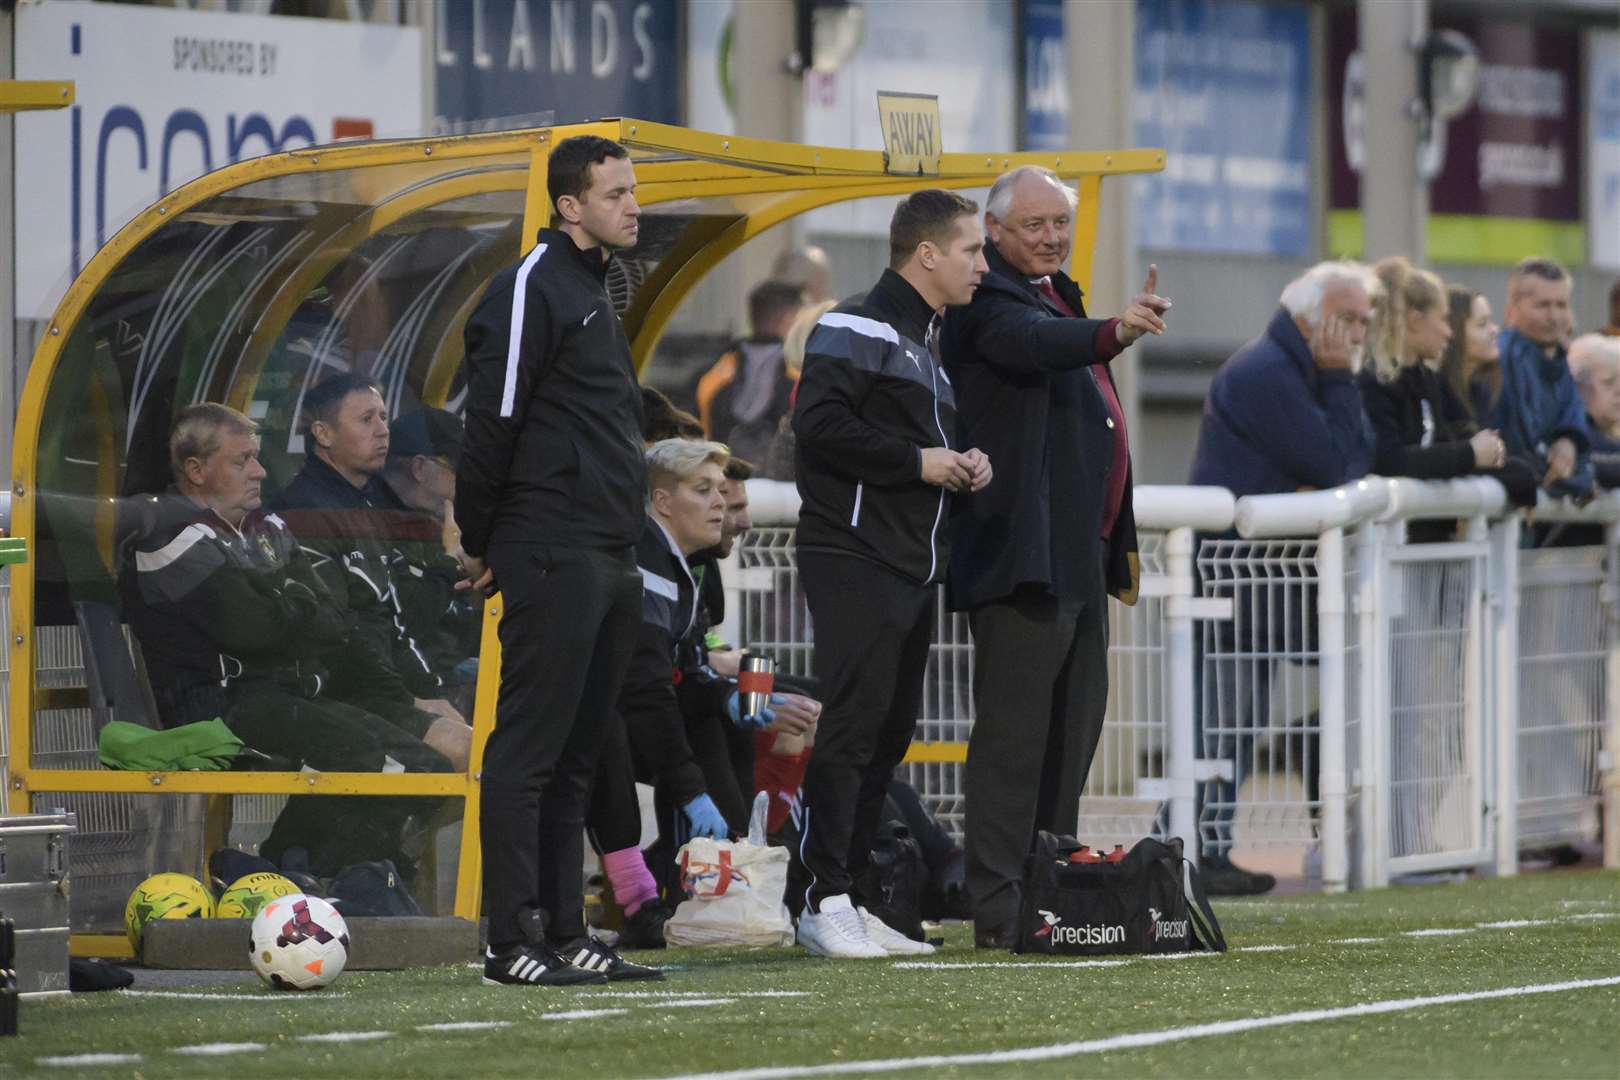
(734, 890)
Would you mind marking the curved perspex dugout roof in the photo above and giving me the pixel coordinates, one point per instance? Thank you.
(248, 284)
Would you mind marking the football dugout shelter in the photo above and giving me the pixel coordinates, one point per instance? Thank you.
(247, 286)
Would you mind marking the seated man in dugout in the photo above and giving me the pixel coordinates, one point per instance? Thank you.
(234, 623)
(337, 509)
(440, 610)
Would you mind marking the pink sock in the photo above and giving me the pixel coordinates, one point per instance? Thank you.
(633, 883)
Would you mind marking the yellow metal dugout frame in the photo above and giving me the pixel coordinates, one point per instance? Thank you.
(761, 183)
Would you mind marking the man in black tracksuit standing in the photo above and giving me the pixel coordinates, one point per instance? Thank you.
(550, 496)
(875, 464)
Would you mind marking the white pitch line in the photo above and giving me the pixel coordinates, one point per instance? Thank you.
(582, 1014)
(346, 1036)
(1265, 948)
(465, 1025)
(266, 996)
(704, 993)
(1439, 931)
(1596, 915)
(1513, 924)
(76, 1060)
(217, 1049)
(1355, 941)
(688, 1003)
(936, 965)
(1145, 1038)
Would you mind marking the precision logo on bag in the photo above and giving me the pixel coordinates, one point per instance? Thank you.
(1174, 929)
(1079, 935)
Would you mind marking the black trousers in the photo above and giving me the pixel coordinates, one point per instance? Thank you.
(566, 639)
(335, 830)
(872, 630)
(1039, 693)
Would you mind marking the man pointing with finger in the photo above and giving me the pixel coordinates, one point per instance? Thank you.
(874, 417)
(1035, 556)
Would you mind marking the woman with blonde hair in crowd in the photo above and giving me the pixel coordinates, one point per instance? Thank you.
(1421, 426)
(1471, 363)
(779, 459)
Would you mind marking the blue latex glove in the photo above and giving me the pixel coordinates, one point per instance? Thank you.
(706, 818)
(765, 719)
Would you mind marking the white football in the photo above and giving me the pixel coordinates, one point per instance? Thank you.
(299, 943)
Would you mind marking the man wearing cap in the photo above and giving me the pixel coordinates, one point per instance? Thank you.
(418, 486)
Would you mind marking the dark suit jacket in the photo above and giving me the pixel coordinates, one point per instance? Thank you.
(1026, 396)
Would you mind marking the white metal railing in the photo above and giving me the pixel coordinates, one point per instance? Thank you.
(1303, 669)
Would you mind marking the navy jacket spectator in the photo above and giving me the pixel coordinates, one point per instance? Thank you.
(1275, 422)
(1018, 368)
(1540, 404)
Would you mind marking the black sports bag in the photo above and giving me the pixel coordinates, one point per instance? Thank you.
(1149, 901)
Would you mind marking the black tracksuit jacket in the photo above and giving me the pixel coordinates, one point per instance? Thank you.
(871, 398)
(553, 451)
(217, 608)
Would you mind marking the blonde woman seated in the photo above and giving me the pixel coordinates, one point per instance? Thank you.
(1422, 429)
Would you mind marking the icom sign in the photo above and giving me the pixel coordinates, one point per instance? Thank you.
(164, 96)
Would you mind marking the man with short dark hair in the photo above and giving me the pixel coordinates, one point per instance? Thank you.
(338, 510)
(874, 421)
(1035, 557)
(743, 397)
(1539, 412)
(234, 623)
(418, 487)
(551, 496)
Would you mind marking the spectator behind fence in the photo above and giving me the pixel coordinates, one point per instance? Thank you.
(1470, 365)
(1613, 329)
(745, 395)
(1539, 410)
(234, 622)
(1036, 554)
(338, 510)
(1421, 429)
(807, 269)
(1282, 414)
(1594, 362)
(418, 486)
(779, 459)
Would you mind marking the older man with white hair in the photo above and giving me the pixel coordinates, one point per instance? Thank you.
(1594, 361)
(1283, 414)
(1036, 554)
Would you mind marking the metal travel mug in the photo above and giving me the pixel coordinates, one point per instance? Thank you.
(755, 679)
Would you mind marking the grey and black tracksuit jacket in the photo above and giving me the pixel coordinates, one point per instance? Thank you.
(553, 453)
(219, 609)
(871, 398)
(345, 531)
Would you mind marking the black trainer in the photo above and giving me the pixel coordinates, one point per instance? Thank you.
(589, 954)
(535, 965)
(644, 929)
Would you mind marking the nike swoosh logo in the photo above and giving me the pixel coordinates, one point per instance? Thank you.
(589, 317)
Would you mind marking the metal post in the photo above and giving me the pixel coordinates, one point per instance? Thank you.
(1179, 658)
(1394, 201)
(1330, 613)
(1367, 612)
(1503, 603)
(1609, 755)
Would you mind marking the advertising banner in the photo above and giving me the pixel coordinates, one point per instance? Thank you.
(1603, 171)
(1506, 173)
(1224, 87)
(165, 95)
(1046, 77)
(505, 63)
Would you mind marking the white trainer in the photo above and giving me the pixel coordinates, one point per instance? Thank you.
(838, 931)
(891, 940)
